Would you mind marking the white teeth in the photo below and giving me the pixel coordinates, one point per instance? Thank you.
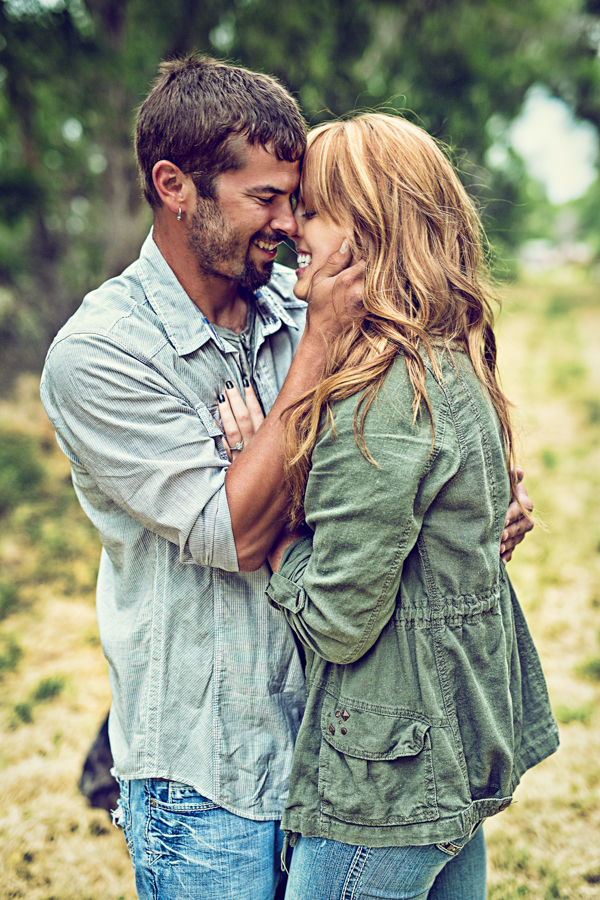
(304, 259)
(265, 246)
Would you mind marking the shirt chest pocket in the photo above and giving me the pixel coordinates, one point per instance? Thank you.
(374, 768)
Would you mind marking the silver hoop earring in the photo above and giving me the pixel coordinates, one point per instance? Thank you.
(179, 215)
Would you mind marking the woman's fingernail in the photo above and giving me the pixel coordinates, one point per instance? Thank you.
(245, 382)
(501, 549)
(505, 535)
(221, 398)
(229, 385)
(344, 247)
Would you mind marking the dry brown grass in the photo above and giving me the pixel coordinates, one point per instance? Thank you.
(547, 844)
(53, 847)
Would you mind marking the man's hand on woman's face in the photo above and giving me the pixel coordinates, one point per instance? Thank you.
(516, 525)
(335, 296)
(241, 418)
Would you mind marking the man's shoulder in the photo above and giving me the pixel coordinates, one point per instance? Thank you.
(115, 312)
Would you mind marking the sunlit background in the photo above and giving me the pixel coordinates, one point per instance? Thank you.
(513, 91)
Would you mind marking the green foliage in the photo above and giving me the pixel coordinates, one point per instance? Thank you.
(9, 599)
(590, 669)
(21, 473)
(72, 73)
(10, 654)
(567, 714)
(44, 692)
(47, 689)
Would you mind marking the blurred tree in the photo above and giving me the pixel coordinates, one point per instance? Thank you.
(72, 72)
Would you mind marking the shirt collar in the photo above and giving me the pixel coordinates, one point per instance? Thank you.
(180, 316)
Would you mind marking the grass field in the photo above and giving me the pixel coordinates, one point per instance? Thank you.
(54, 690)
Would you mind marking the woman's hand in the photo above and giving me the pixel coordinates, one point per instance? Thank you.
(241, 418)
(517, 525)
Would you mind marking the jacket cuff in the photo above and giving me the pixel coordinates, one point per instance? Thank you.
(284, 593)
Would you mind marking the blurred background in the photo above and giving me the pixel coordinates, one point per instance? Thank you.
(514, 91)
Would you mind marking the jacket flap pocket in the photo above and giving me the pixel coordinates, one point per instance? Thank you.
(371, 735)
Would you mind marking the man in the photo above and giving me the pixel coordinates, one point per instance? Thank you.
(206, 680)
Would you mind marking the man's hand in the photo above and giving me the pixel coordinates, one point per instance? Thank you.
(335, 297)
(517, 525)
(257, 496)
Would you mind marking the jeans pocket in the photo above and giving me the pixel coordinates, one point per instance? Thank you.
(180, 823)
(375, 768)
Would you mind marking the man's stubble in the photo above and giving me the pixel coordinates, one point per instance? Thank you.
(219, 249)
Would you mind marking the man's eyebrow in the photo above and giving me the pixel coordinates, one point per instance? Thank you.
(265, 189)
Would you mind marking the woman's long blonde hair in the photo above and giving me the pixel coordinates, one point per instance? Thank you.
(389, 186)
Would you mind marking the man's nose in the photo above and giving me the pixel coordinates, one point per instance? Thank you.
(284, 219)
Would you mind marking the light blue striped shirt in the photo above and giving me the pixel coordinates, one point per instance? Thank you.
(206, 682)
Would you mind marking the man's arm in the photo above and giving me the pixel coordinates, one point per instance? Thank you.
(255, 484)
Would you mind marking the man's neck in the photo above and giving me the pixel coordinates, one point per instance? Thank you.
(219, 299)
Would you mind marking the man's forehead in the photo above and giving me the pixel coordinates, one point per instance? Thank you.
(261, 168)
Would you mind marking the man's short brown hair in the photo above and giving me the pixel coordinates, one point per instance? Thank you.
(195, 107)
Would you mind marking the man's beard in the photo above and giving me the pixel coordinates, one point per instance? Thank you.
(218, 249)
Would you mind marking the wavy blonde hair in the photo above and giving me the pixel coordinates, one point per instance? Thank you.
(395, 195)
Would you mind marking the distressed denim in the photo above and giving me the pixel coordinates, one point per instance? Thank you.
(185, 847)
(329, 870)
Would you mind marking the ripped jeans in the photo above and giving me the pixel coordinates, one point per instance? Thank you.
(185, 847)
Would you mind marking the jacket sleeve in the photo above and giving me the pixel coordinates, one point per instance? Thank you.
(338, 588)
(122, 424)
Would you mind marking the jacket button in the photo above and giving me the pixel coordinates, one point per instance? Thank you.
(504, 805)
(332, 729)
(344, 730)
(345, 715)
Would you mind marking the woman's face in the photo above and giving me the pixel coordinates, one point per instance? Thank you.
(316, 238)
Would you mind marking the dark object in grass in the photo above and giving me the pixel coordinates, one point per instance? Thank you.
(96, 782)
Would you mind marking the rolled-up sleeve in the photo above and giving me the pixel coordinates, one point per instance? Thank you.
(146, 447)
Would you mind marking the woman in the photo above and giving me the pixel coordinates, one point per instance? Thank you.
(425, 697)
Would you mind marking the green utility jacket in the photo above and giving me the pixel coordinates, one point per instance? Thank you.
(426, 701)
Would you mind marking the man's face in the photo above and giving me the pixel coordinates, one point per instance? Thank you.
(236, 236)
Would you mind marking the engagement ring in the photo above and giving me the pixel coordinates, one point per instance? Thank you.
(239, 445)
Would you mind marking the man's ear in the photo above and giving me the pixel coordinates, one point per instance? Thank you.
(174, 187)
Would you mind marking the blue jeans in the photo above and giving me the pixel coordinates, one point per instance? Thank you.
(328, 870)
(185, 847)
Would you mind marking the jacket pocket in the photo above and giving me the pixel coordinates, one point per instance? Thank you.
(375, 768)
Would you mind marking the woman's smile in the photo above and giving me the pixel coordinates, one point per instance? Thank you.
(316, 238)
